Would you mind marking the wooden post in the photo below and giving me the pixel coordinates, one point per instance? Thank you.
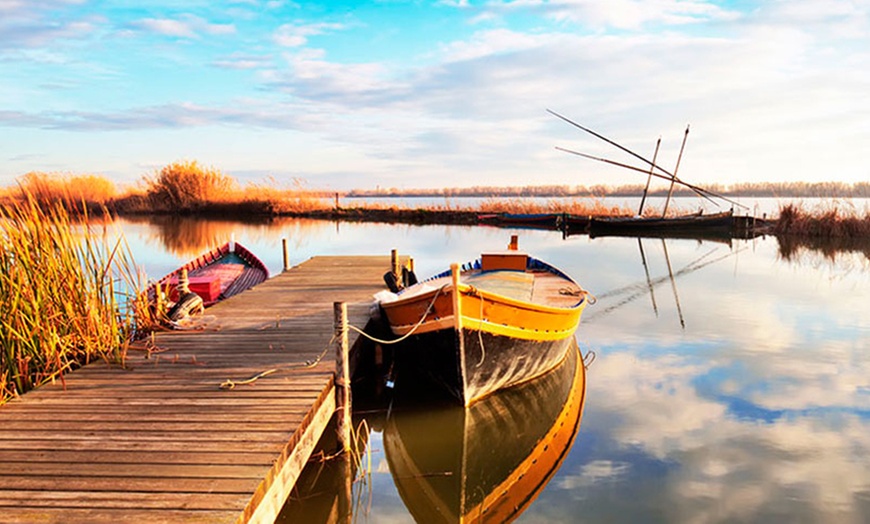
(183, 285)
(286, 254)
(342, 376)
(337, 205)
(457, 326)
(394, 263)
(345, 495)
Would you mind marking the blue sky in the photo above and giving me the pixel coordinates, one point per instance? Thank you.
(415, 94)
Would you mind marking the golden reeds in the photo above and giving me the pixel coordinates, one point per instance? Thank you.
(184, 186)
(573, 206)
(65, 293)
(71, 190)
(833, 222)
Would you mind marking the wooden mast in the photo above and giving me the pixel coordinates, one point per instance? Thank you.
(649, 178)
(674, 178)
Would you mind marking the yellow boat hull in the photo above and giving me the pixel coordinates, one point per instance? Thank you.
(496, 341)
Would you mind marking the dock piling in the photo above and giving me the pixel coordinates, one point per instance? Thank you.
(286, 254)
(394, 264)
(342, 377)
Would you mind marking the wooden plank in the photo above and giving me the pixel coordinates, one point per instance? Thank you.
(36, 515)
(159, 440)
(270, 496)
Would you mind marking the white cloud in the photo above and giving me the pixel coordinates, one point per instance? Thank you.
(167, 27)
(246, 113)
(619, 14)
(244, 61)
(23, 7)
(186, 26)
(296, 35)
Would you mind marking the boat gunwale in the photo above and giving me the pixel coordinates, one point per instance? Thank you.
(533, 264)
(210, 258)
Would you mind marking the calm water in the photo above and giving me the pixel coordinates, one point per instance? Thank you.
(750, 206)
(737, 391)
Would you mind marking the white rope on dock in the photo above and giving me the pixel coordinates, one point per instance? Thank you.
(409, 333)
(230, 384)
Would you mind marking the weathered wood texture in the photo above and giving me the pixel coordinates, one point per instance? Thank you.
(159, 441)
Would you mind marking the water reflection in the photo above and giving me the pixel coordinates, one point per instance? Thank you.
(794, 249)
(187, 237)
(758, 410)
(488, 462)
(614, 299)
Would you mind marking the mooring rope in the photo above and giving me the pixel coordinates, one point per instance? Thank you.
(230, 384)
(590, 357)
(590, 298)
(409, 333)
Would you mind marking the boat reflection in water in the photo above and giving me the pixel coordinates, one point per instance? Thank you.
(488, 462)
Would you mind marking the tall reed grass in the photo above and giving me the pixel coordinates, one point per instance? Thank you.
(74, 191)
(835, 221)
(574, 206)
(184, 186)
(69, 294)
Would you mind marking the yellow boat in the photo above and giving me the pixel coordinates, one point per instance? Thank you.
(491, 324)
(489, 462)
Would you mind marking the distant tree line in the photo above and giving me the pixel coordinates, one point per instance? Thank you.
(751, 189)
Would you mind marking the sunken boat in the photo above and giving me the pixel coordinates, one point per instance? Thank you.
(213, 276)
(714, 224)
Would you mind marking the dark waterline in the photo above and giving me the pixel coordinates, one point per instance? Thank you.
(737, 391)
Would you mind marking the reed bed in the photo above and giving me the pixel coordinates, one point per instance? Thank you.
(74, 191)
(573, 206)
(834, 221)
(519, 205)
(69, 294)
(187, 186)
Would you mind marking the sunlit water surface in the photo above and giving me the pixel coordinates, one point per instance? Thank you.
(738, 390)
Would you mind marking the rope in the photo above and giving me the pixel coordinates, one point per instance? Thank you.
(590, 298)
(409, 333)
(230, 384)
(590, 356)
(480, 332)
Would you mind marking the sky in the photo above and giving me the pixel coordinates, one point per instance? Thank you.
(450, 93)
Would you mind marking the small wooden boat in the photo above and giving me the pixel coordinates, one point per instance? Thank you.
(489, 462)
(530, 220)
(217, 275)
(499, 321)
(720, 224)
(574, 224)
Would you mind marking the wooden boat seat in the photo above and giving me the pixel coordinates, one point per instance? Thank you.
(511, 284)
(208, 287)
(224, 274)
(551, 290)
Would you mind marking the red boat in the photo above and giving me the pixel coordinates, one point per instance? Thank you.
(217, 275)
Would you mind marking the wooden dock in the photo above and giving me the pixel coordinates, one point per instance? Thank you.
(160, 441)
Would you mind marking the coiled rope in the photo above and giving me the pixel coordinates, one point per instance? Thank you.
(590, 298)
